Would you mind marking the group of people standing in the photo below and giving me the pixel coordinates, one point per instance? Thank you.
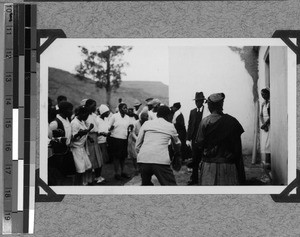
(154, 137)
(82, 142)
(77, 142)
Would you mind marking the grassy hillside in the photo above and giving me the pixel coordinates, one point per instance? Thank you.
(65, 83)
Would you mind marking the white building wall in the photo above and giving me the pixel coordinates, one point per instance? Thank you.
(279, 115)
(212, 70)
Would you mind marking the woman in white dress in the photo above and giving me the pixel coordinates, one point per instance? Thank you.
(95, 153)
(79, 146)
(265, 128)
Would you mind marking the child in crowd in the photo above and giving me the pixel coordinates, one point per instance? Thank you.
(133, 134)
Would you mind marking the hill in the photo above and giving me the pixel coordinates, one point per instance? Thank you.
(65, 83)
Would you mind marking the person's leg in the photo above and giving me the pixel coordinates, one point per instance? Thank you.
(146, 174)
(164, 174)
(134, 162)
(79, 179)
(268, 158)
(98, 172)
(123, 156)
(103, 148)
(115, 153)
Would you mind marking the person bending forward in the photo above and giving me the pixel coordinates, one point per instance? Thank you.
(152, 148)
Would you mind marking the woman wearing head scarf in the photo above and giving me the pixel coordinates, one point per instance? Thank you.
(103, 126)
(219, 140)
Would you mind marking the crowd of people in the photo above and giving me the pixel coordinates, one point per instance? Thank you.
(84, 139)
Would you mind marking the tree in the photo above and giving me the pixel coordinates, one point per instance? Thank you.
(104, 67)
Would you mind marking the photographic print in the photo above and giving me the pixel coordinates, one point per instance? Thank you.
(193, 115)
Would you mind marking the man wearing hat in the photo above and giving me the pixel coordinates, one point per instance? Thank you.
(155, 103)
(147, 107)
(136, 107)
(194, 122)
(219, 140)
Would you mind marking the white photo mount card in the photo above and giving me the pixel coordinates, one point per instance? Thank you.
(183, 67)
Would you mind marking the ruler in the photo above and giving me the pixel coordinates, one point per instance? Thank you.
(19, 118)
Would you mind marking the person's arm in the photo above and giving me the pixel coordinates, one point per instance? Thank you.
(111, 123)
(200, 136)
(140, 139)
(134, 136)
(269, 113)
(261, 114)
(78, 133)
(50, 135)
(176, 144)
(55, 131)
(53, 125)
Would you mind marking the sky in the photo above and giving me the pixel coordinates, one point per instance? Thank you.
(146, 62)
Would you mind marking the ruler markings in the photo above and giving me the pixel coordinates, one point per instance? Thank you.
(19, 117)
(15, 56)
(8, 92)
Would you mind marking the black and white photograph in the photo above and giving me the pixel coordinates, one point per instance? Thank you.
(194, 115)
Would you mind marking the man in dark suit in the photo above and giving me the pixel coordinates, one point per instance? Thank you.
(194, 122)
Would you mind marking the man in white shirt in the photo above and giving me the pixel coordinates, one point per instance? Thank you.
(118, 126)
(152, 148)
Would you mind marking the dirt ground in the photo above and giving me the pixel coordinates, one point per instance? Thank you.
(253, 175)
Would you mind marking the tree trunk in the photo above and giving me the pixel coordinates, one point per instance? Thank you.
(108, 85)
(108, 96)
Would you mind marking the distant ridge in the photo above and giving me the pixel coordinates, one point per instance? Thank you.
(64, 83)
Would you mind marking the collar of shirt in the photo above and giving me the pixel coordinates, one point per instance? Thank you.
(62, 119)
(176, 114)
(200, 109)
(67, 127)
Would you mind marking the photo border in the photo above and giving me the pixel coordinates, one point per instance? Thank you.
(270, 189)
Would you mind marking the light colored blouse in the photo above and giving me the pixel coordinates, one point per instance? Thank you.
(153, 140)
